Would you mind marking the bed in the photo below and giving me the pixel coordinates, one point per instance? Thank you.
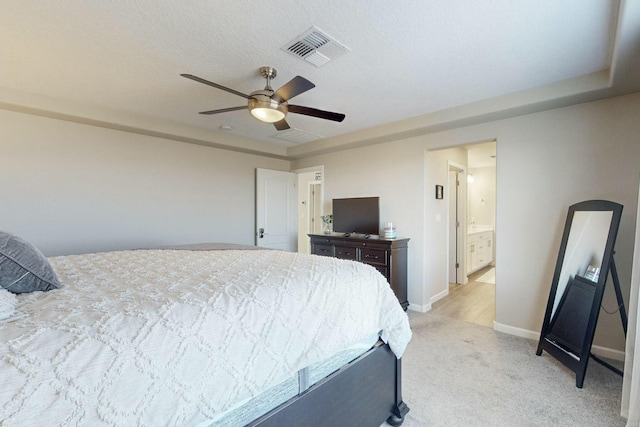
(203, 336)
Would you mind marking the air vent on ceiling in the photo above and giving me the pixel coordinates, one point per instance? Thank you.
(296, 136)
(316, 47)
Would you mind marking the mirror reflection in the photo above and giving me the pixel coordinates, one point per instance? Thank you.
(585, 247)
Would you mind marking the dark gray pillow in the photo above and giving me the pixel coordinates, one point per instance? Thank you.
(23, 268)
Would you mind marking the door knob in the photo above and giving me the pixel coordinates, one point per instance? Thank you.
(261, 233)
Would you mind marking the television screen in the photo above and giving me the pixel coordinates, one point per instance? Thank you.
(356, 215)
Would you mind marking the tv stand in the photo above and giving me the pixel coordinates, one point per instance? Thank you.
(388, 256)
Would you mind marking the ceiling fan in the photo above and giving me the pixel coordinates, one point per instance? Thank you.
(272, 106)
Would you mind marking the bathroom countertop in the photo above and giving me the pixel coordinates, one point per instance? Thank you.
(473, 229)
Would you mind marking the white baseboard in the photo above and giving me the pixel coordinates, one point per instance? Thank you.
(427, 307)
(438, 296)
(519, 332)
(605, 352)
(419, 308)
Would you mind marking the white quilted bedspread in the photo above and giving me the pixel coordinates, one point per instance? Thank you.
(168, 337)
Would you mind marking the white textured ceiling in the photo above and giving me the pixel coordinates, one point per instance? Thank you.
(482, 155)
(408, 59)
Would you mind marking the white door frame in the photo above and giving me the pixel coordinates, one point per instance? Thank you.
(314, 191)
(303, 226)
(462, 215)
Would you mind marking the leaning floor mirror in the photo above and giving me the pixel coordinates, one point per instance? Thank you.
(584, 262)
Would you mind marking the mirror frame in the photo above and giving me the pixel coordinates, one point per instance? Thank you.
(578, 362)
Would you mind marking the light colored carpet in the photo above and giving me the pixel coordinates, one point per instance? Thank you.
(488, 277)
(456, 373)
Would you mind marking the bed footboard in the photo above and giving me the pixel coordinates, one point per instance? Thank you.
(365, 392)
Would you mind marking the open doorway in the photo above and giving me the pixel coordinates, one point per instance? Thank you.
(310, 207)
(481, 211)
(472, 226)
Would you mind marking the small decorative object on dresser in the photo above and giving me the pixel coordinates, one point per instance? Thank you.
(388, 256)
(327, 220)
(389, 231)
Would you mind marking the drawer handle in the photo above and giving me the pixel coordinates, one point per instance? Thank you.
(371, 256)
(344, 253)
(325, 250)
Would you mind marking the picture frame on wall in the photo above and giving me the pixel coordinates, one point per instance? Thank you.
(439, 192)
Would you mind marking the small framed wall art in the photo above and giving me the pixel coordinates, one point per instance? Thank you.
(439, 192)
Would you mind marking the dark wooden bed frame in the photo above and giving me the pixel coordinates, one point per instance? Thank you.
(366, 392)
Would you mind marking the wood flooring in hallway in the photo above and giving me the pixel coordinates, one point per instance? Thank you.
(474, 302)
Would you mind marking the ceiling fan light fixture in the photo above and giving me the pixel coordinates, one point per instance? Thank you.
(266, 109)
(267, 115)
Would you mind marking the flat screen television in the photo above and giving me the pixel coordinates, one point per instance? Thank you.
(356, 215)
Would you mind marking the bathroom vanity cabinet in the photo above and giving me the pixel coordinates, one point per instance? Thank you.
(479, 249)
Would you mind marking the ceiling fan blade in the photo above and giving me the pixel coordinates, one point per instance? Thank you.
(223, 110)
(294, 87)
(216, 85)
(281, 125)
(314, 112)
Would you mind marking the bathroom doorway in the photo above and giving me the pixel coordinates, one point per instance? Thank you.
(472, 228)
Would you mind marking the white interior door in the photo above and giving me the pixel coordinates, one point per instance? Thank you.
(276, 210)
(453, 227)
(456, 240)
(316, 212)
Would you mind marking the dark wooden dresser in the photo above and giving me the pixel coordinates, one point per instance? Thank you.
(388, 256)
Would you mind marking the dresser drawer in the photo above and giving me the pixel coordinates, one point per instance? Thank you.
(383, 270)
(388, 256)
(373, 256)
(345, 252)
(325, 250)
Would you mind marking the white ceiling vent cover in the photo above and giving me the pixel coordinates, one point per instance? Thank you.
(296, 136)
(316, 47)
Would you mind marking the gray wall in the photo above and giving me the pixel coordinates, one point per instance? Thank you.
(73, 188)
(482, 196)
(545, 162)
